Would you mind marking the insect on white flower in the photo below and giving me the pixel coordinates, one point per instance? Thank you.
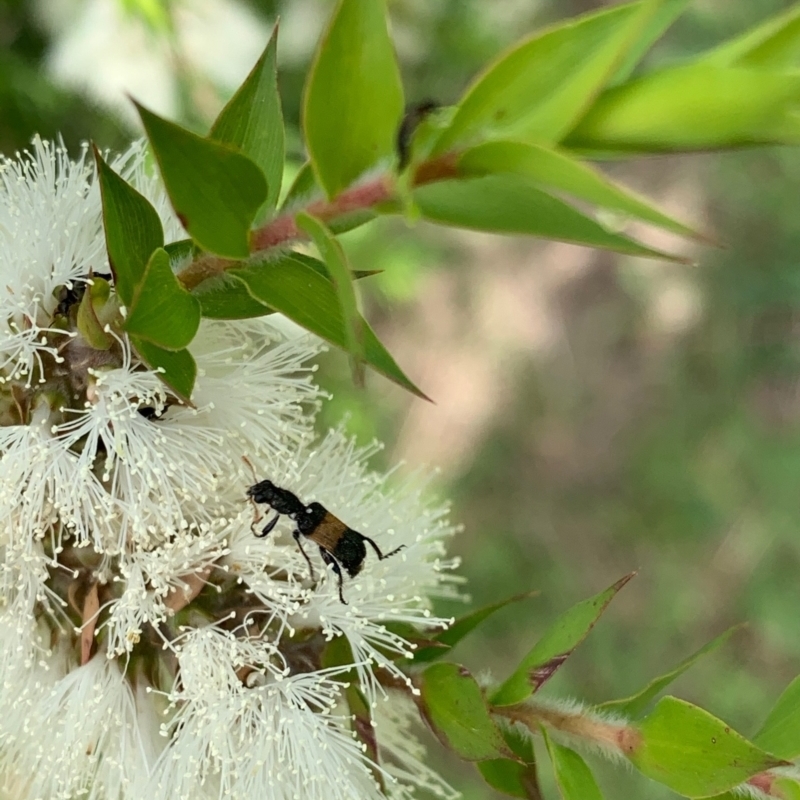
(131, 584)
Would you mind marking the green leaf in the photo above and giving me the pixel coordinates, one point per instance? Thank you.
(453, 705)
(91, 320)
(663, 17)
(449, 638)
(179, 252)
(303, 187)
(215, 190)
(539, 89)
(342, 279)
(785, 788)
(555, 646)
(775, 43)
(252, 122)
(573, 776)
(227, 297)
(176, 368)
(693, 752)
(515, 204)
(309, 298)
(133, 229)
(635, 705)
(516, 778)
(162, 311)
(694, 107)
(780, 734)
(511, 778)
(353, 98)
(553, 169)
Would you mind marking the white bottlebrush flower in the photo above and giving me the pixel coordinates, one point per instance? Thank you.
(132, 586)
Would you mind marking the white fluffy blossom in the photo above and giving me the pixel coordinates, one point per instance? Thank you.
(150, 644)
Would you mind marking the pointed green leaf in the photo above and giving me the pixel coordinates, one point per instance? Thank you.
(663, 17)
(515, 204)
(226, 297)
(353, 98)
(161, 310)
(780, 734)
(555, 646)
(775, 43)
(694, 107)
(449, 638)
(516, 778)
(538, 89)
(133, 229)
(554, 169)
(693, 752)
(252, 121)
(180, 252)
(303, 187)
(339, 271)
(635, 705)
(304, 295)
(573, 776)
(215, 190)
(453, 705)
(176, 368)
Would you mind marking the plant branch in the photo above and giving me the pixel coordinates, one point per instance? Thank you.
(283, 229)
(623, 739)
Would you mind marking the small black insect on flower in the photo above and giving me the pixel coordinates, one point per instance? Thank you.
(339, 545)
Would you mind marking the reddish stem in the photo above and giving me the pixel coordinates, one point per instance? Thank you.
(283, 229)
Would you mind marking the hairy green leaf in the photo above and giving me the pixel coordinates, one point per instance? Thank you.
(555, 646)
(538, 89)
(515, 204)
(133, 229)
(693, 752)
(353, 98)
(573, 776)
(304, 295)
(555, 169)
(692, 107)
(252, 121)
(453, 704)
(215, 190)
(161, 310)
(635, 705)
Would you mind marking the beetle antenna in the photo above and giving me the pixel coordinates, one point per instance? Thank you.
(377, 549)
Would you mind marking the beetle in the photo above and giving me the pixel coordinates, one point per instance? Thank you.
(339, 545)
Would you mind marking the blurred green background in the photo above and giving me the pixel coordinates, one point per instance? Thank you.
(594, 414)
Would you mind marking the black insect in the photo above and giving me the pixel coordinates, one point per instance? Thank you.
(405, 133)
(339, 545)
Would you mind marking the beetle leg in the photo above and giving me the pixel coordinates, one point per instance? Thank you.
(296, 533)
(329, 559)
(269, 526)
